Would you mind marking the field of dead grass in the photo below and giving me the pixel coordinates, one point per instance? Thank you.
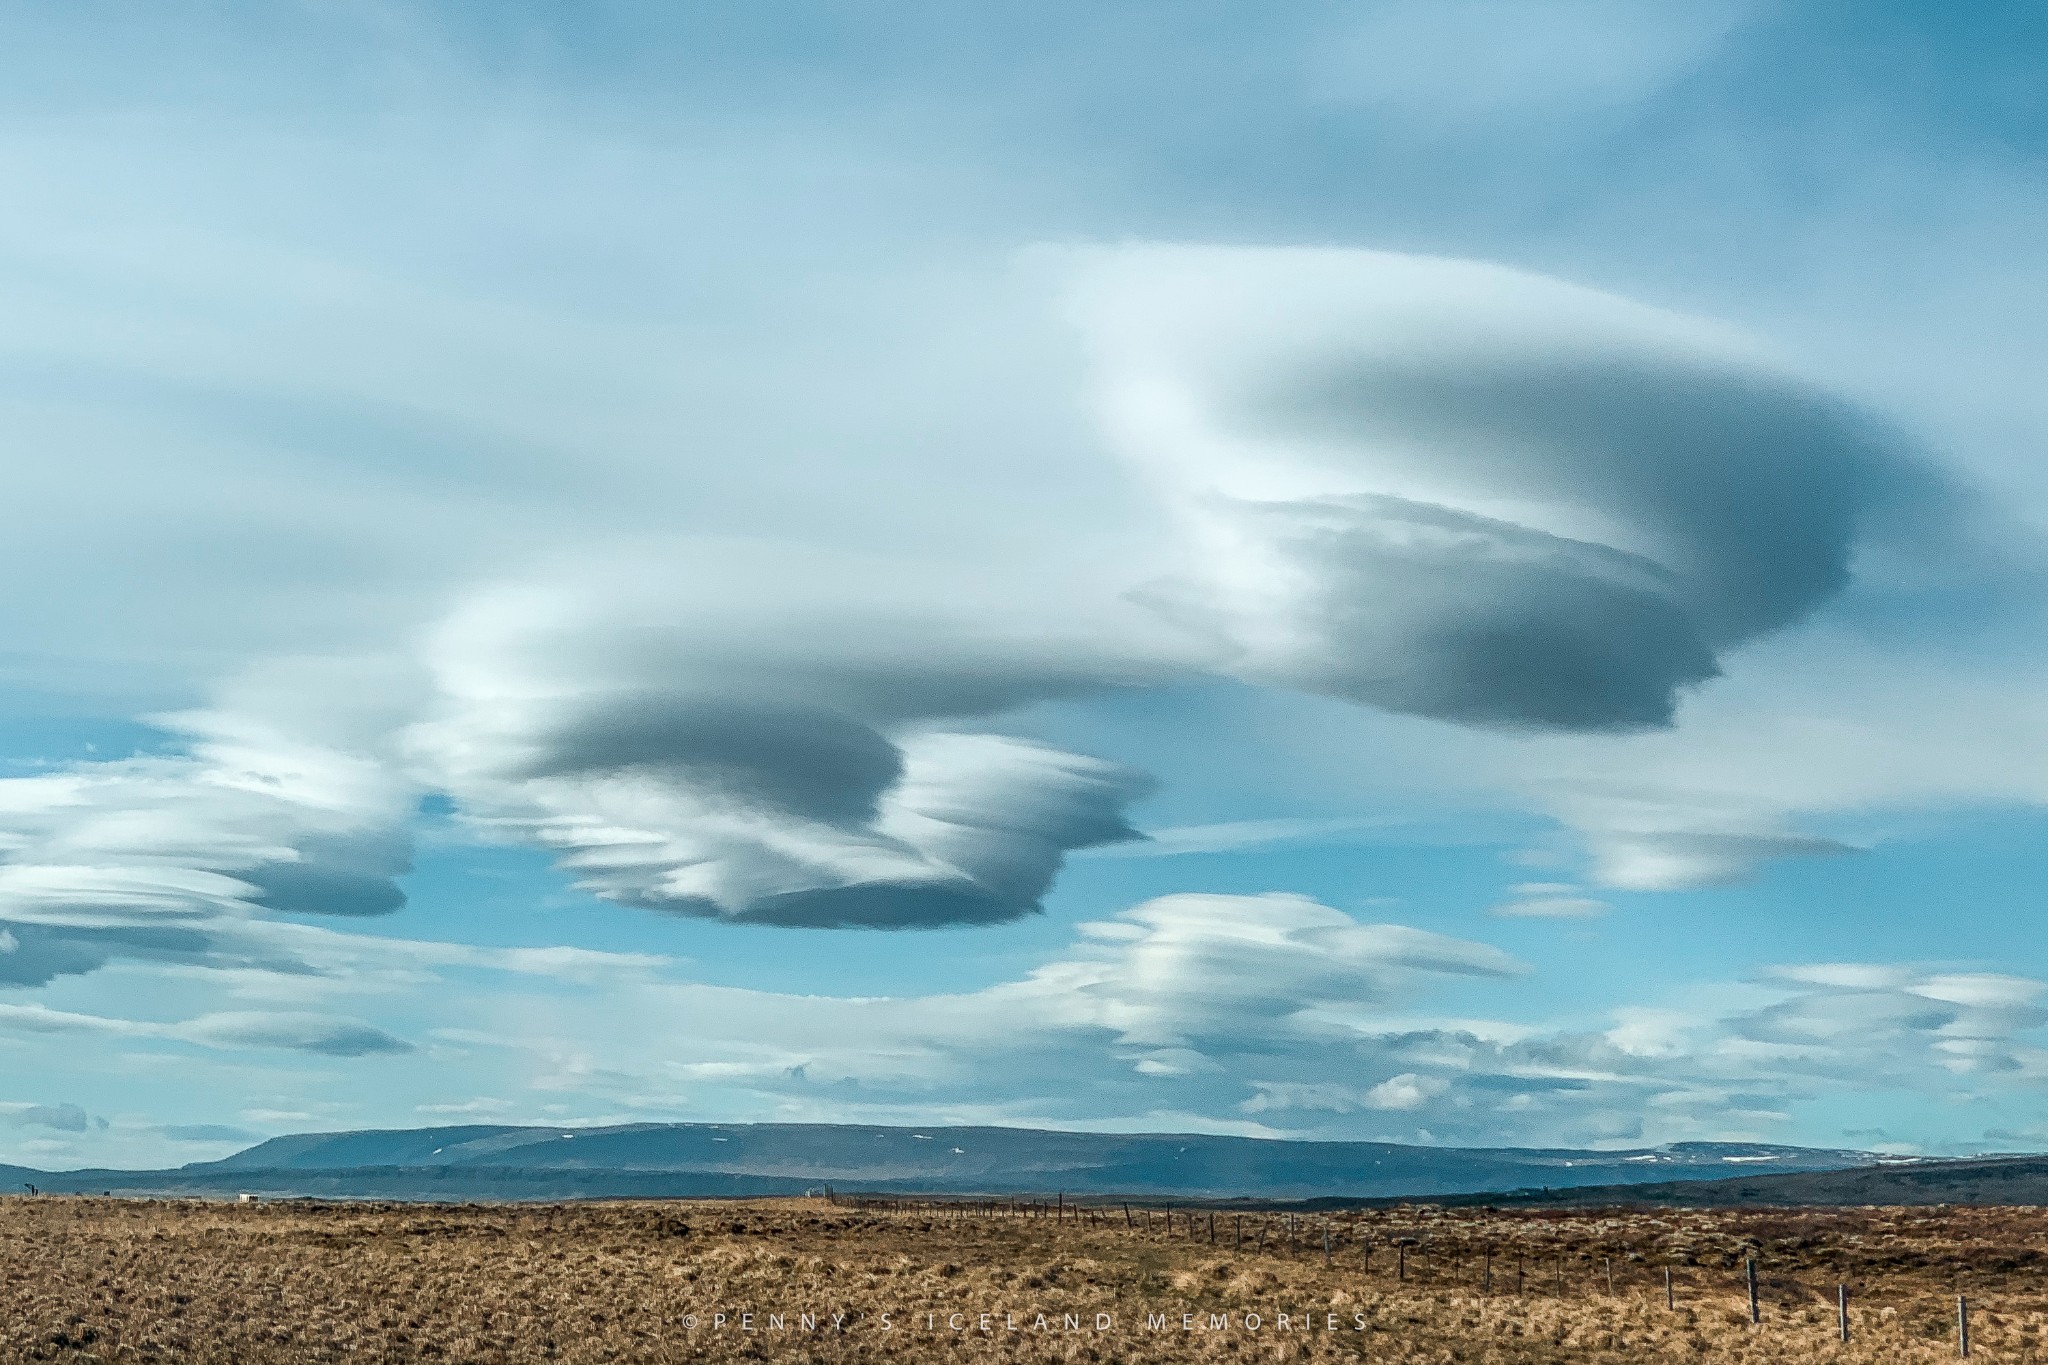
(801, 1280)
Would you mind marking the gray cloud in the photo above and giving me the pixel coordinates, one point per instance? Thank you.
(1457, 490)
(293, 1032)
(748, 752)
(355, 875)
(64, 1118)
(968, 828)
(806, 762)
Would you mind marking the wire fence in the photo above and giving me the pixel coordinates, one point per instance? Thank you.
(1521, 1260)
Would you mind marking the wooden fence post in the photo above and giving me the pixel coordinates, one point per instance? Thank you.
(1962, 1326)
(1326, 1245)
(1401, 1266)
(1669, 1301)
(1608, 1263)
(1842, 1310)
(1486, 1275)
(1754, 1316)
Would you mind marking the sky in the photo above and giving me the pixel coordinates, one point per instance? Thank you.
(1446, 571)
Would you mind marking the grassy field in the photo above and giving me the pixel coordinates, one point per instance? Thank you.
(801, 1280)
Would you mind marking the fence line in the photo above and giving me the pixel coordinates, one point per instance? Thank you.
(1283, 1232)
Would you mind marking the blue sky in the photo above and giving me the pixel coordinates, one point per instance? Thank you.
(1457, 572)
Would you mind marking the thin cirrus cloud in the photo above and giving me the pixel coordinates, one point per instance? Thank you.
(1550, 900)
(231, 1030)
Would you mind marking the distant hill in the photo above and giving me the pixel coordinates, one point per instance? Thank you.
(1981, 1180)
(482, 1161)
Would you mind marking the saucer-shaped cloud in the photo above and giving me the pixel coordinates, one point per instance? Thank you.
(1458, 490)
(795, 762)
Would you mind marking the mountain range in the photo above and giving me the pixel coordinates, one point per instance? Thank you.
(650, 1160)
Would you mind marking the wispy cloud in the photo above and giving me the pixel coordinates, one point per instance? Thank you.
(1231, 835)
(290, 1031)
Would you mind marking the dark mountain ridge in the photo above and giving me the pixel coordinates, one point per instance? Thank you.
(2015, 1180)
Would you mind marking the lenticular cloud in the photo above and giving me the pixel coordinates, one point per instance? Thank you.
(1436, 487)
(767, 766)
(1457, 490)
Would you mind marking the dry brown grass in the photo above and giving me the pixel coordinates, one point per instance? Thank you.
(125, 1280)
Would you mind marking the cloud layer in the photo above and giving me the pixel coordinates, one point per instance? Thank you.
(1275, 1014)
(1457, 490)
(1429, 486)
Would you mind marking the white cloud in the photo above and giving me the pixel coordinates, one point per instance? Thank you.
(290, 1031)
(1406, 1091)
(1272, 1014)
(156, 857)
(1292, 1015)
(1549, 900)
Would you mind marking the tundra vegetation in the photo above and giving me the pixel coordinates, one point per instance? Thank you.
(811, 1280)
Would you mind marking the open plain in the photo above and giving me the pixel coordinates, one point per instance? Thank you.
(809, 1280)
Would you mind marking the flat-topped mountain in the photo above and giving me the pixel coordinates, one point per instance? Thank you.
(653, 1159)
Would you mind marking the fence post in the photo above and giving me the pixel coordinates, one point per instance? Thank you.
(1608, 1262)
(1486, 1276)
(1669, 1301)
(1238, 1221)
(1401, 1266)
(1962, 1326)
(1842, 1309)
(1326, 1244)
(1754, 1316)
(1212, 1227)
